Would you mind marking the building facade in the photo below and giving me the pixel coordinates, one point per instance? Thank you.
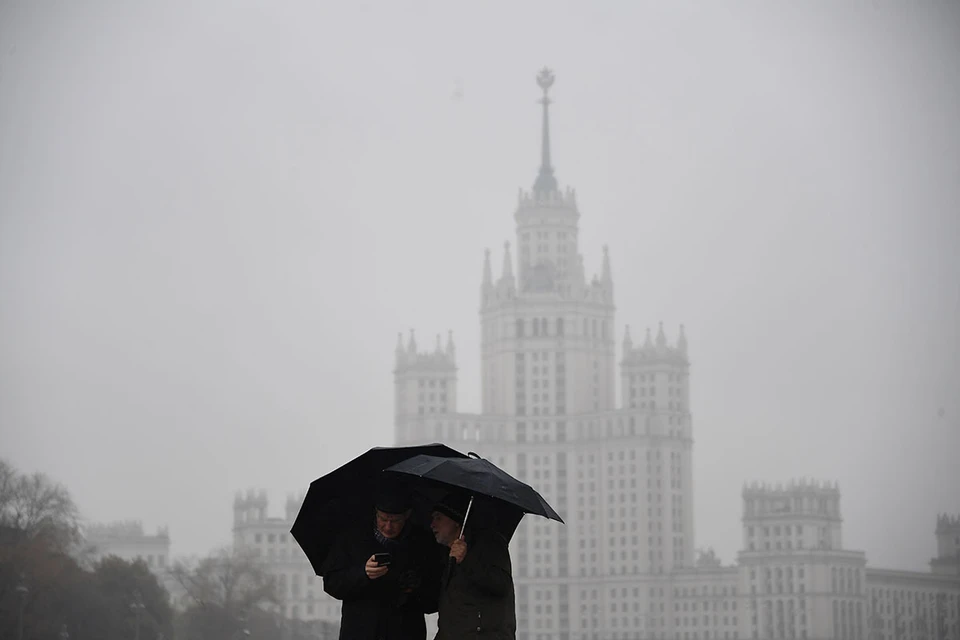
(624, 566)
(127, 541)
(947, 561)
(300, 591)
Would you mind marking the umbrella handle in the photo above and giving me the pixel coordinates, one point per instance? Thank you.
(450, 560)
(465, 516)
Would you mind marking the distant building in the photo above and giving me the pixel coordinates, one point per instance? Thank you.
(301, 592)
(911, 604)
(128, 541)
(624, 566)
(796, 579)
(947, 561)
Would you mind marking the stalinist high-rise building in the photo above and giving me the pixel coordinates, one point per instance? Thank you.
(623, 567)
(621, 476)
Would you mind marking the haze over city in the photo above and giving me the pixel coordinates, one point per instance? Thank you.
(216, 217)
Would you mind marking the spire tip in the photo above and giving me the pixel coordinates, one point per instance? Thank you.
(545, 183)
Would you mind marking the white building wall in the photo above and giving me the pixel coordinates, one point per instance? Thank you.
(907, 604)
(128, 541)
(300, 591)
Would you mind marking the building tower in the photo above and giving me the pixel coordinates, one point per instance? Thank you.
(947, 561)
(655, 382)
(425, 382)
(251, 507)
(546, 334)
(797, 579)
(621, 477)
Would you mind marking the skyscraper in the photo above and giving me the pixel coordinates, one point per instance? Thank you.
(620, 476)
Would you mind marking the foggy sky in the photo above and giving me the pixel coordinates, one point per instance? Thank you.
(215, 217)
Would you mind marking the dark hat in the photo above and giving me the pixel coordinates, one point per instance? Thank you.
(454, 506)
(393, 500)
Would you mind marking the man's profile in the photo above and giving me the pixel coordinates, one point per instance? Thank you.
(477, 595)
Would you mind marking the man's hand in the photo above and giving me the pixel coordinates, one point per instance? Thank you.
(458, 550)
(374, 571)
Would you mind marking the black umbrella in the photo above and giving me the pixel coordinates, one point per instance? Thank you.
(501, 500)
(345, 497)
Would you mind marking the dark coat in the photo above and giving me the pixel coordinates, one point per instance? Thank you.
(477, 598)
(379, 609)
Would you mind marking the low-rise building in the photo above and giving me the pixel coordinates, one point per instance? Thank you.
(127, 541)
(268, 537)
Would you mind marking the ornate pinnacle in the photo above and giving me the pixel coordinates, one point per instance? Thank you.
(545, 182)
(545, 80)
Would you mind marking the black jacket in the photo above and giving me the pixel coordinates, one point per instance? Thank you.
(379, 609)
(477, 598)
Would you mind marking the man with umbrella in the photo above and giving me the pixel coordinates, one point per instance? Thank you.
(477, 594)
(387, 575)
(353, 513)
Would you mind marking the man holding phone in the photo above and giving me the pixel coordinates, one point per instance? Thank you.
(387, 578)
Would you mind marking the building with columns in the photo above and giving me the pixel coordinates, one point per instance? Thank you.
(624, 566)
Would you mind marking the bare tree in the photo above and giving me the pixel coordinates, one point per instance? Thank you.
(233, 580)
(226, 595)
(33, 505)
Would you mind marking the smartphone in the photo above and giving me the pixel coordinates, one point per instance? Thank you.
(382, 559)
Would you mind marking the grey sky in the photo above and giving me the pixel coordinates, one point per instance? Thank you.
(215, 217)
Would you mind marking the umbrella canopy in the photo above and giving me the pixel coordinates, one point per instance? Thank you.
(345, 497)
(501, 496)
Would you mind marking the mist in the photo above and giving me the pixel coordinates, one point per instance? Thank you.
(216, 217)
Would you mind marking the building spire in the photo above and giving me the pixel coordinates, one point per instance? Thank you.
(400, 352)
(486, 288)
(412, 345)
(545, 182)
(606, 276)
(507, 272)
(451, 350)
